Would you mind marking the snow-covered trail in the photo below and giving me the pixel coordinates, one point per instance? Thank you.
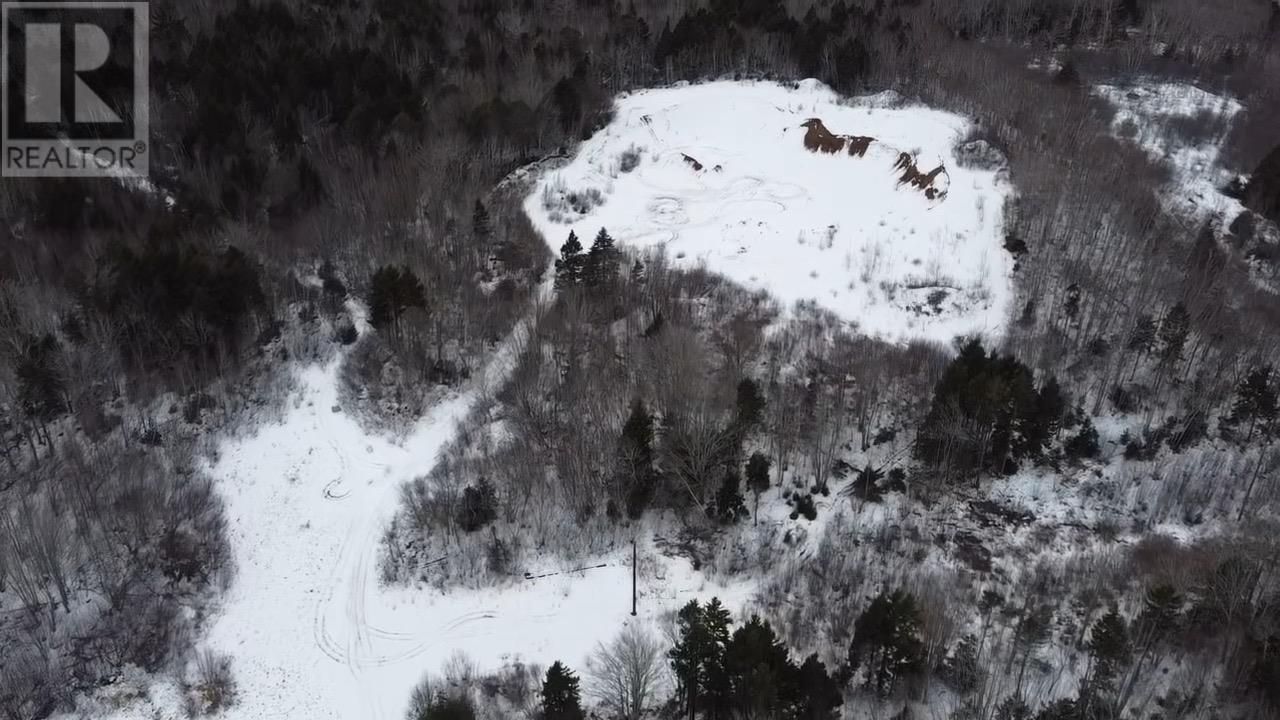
(309, 630)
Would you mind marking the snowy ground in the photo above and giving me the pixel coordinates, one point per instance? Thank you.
(312, 633)
(1146, 114)
(766, 212)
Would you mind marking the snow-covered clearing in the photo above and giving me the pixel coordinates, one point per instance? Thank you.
(312, 632)
(1183, 126)
(720, 174)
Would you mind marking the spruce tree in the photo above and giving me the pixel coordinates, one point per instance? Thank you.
(561, 697)
(635, 458)
(569, 267)
(600, 269)
(697, 658)
(758, 671)
(758, 477)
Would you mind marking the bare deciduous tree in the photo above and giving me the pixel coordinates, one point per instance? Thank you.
(625, 675)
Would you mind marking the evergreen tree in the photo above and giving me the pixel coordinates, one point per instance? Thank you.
(1142, 339)
(697, 659)
(561, 697)
(600, 269)
(758, 671)
(1109, 644)
(394, 291)
(570, 266)
(983, 415)
(1084, 444)
(1256, 402)
(817, 693)
(758, 477)
(1051, 405)
(729, 506)
(887, 635)
(635, 457)
(750, 405)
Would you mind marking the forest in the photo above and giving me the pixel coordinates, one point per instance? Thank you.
(345, 180)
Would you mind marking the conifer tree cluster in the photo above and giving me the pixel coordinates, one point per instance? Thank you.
(987, 415)
(596, 270)
(886, 641)
(745, 673)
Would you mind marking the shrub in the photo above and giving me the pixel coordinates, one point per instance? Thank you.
(212, 687)
(479, 506)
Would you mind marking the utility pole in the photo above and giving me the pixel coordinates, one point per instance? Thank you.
(633, 577)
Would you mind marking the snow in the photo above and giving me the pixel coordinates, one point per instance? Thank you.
(312, 632)
(1144, 112)
(834, 228)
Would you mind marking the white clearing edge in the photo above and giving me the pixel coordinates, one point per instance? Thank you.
(837, 229)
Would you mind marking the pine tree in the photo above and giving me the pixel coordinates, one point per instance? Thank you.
(561, 697)
(569, 268)
(758, 477)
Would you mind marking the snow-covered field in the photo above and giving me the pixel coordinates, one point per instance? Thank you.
(724, 177)
(311, 631)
